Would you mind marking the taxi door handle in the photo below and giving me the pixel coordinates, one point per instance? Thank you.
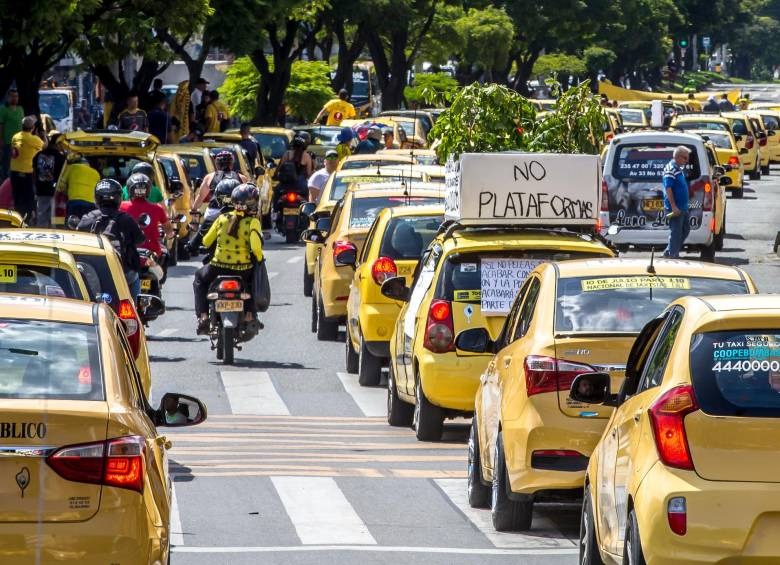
(637, 415)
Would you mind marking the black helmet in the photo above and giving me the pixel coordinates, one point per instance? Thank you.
(108, 192)
(139, 186)
(241, 197)
(223, 159)
(305, 136)
(224, 190)
(143, 168)
(254, 198)
(298, 142)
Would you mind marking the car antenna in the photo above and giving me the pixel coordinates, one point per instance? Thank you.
(651, 266)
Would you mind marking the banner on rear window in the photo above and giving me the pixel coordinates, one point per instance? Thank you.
(501, 280)
(524, 189)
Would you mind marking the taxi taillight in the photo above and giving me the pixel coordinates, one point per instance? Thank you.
(439, 329)
(667, 418)
(749, 141)
(734, 161)
(547, 374)
(117, 462)
(129, 316)
(383, 269)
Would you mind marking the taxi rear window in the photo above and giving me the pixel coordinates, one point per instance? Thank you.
(626, 304)
(771, 122)
(340, 184)
(365, 210)
(738, 126)
(646, 162)
(366, 163)
(272, 145)
(196, 166)
(114, 167)
(737, 372)
(97, 275)
(706, 125)
(631, 116)
(38, 281)
(720, 140)
(49, 360)
(406, 237)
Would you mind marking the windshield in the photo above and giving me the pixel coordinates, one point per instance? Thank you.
(364, 210)
(323, 136)
(631, 116)
(341, 183)
(51, 360)
(771, 122)
(626, 304)
(647, 162)
(272, 145)
(406, 237)
(39, 281)
(715, 126)
(737, 372)
(719, 140)
(57, 105)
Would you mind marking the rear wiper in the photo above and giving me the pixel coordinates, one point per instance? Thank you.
(21, 351)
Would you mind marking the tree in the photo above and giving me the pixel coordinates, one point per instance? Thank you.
(309, 89)
(598, 59)
(487, 39)
(240, 88)
(555, 64)
(427, 84)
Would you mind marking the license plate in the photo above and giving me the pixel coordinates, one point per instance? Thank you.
(229, 305)
(7, 273)
(146, 284)
(653, 205)
(290, 211)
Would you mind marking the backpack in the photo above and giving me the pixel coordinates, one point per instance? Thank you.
(287, 173)
(107, 225)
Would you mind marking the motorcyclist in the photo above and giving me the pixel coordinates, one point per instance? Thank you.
(224, 164)
(121, 229)
(139, 186)
(238, 241)
(155, 195)
(219, 204)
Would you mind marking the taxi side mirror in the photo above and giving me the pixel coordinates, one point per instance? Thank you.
(176, 187)
(259, 171)
(724, 181)
(718, 171)
(348, 257)
(196, 182)
(771, 133)
(323, 224)
(475, 340)
(592, 388)
(313, 236)
(179, 410)
(738, 137)
(395, 288)
(307, 209)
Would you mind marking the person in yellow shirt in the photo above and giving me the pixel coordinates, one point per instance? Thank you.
(78, 183)
(239, 243)
(217, 114)
(25, 145)
(337, 110)
(693, 104)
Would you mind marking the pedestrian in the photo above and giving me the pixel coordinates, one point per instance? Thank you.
(78, 183)
(318, 179)
(725, 105)
(47, 166)
(248, 143)
(159, 119)
(11, 115)
(25, 145)
(200, 109)
(711, 106)
(344, 148)
(173, 130)
(371, 144)
(604, 100)
(132, 117)
(676, 200)
(83, 119)
(216, 115)
(693, 104)
(337, 110)
(195, 134)
(151, 98)
(197, 94)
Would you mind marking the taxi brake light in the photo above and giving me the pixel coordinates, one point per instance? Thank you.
(734, 161)
(439, 333)
(129, 317)
(547, 374)
(667, 418)
(677, 514)
(749, 141)
(383, 268)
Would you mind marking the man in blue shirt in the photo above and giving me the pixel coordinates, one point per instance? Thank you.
(676, 200)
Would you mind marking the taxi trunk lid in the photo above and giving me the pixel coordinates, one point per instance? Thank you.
(30, 431)
(576, 353)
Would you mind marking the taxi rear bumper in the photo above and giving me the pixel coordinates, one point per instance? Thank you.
(377, 322)
(449, 380)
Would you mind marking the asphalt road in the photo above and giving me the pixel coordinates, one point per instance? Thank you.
(296, 463)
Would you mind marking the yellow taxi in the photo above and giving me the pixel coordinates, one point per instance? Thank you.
(180, 189)
(113, 154)
(105, 281)
(86, 468)
(393, 247)
(421, 156)
(771, 120)
(378, 159)
(727, 152)
(10, 219)
(633, 118)
(613, 125)
(41, 271)
(768, 145)
(747, 139)
(406, 129)
(198, 162)
(573, 317)
(333, 191)
(273, 141)
(686, 470)
(348, 226)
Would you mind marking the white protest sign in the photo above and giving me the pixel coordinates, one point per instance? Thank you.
(501, 280)
(524, 189)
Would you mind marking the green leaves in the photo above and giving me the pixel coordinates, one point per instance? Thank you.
(429, 86)
(240, 88)
(309, 89)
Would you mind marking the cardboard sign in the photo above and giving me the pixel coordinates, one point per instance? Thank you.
(523, 189)
(501, 281)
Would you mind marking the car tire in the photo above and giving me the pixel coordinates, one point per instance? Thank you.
(351, 356)
(290, 237)
(738, 192)
(718, 239)
(369, 366)
(765, 170)
(632, 547)
(589, 551)
(313, 314)
(308, 281)
(399, 413)
(477, 491)
(506, 514)
(707, 253)
(755, 174)
(326, 330)
(427, 418)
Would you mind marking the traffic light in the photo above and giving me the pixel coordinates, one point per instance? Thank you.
(683, 43)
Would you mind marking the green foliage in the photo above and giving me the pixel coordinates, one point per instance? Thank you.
(487, 37)
(309, 89)
(574, 126)
(598, 59)
(239, 90)
(431, 83)
(559, 64)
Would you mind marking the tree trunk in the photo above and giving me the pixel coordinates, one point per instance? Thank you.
(525, 65)
(270, 94)
(347, 55)
(28, 82)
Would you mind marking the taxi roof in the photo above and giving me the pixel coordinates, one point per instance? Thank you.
(94, 141)
(663, 267)
(180, 148)
(741, 302)
(424, 210)
(380, 156)
(26, 307)
(382, 170)
(395, 188)
(701, 117)
(405, 152)
(66, 239)
(488, 238)
(36, 252)
(657, 137)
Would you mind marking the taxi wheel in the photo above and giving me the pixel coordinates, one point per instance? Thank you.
(717, 240)
(369, 366)
(308, 281)
(399, 413)
(507, 515)
(589, 551)
(351, 356)
(755, 175)
(326, 330)
(738, 192)
(632, 550)
(765, 170)
(707, 253)
(478, 492)
(313, 315)
(427, 419)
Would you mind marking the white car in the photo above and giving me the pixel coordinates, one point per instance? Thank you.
(632, 192)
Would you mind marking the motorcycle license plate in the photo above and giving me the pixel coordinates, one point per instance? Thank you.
(229, 305)
(290, 211)
(146, 284)
(653, 205)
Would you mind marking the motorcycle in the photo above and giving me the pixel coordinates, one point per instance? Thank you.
(289, 222)
(227, 326)
(152, 273)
